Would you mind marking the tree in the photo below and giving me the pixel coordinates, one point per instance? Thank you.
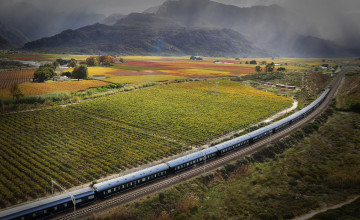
(50, 65)
(253, 62)
(281, 69)
(103, 58)
(62, 62)
(16, 92)
(56, 64)
(67, 74)
(258, 69)
(92, 61)
(80, 72)
(43, 73)
(270, 67)
(72, 63)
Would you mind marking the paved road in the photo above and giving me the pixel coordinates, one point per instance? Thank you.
(197, 171)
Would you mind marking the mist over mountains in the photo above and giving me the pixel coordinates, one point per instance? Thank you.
(272, 30)
(148, 34)
(36, 23)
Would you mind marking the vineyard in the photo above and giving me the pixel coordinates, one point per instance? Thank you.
(188, 112)
(8, 78)
(30, 89)
(81, 143)
(69, 146)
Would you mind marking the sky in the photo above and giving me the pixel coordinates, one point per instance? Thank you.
(128, 6)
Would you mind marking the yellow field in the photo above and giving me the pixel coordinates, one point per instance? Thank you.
(143, 79)
(199, 72)
(99, 71)
(30, 89)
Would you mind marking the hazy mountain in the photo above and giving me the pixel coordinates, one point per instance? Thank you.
(148, 34)
(267, 26)
(112, 19)
(36, 23)
(5, 44)
(12, 36)
(152, 10)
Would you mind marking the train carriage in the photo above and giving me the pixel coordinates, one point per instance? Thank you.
(129, 181)
(47, 208)
(188, 161)
(232, 145)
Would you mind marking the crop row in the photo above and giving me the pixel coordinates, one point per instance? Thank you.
(69, 146)
(8, 78)
(189, 112)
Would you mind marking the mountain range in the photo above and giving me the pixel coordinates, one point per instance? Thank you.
(148, 34)
(200, 27)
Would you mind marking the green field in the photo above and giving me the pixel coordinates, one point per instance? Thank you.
(187, 112)
(92, 139)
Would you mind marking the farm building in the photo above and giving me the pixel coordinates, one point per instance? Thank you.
(98, 77)
(285, 86)
(61, 78)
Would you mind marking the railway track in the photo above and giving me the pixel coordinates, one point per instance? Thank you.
(198, 170)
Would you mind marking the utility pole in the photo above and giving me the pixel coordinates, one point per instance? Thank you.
(203, 197)
(217, 87)
(71, 196)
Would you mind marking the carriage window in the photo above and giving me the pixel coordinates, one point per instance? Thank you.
(65, 205)
(34, 215)
(91, 197)
(22, 218)
(144, 179)
(45, 211)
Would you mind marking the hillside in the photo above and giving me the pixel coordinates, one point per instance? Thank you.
(14, 37)
(148, 34)
(36, 23)
(5, 44)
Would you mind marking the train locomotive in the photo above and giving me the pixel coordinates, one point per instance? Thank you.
(47, 208)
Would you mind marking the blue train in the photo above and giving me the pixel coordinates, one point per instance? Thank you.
(49, 207)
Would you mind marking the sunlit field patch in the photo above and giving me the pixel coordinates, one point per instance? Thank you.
(199, 73)
(143, 78)
(30, 89)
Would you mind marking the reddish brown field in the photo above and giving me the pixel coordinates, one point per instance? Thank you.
(8, 78)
